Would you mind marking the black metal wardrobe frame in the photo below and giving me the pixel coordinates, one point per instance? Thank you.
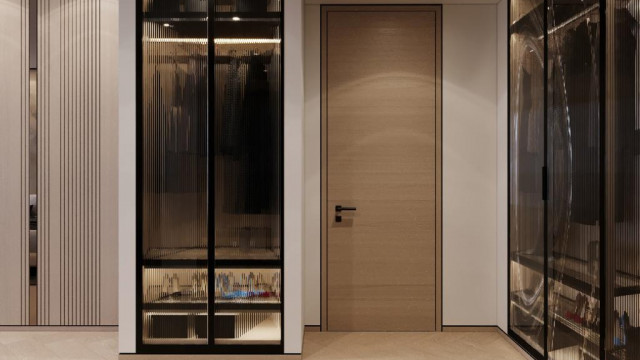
(210, 347)
(602, 141)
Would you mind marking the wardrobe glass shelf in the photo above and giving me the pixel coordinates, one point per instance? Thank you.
(565, 305)
(176, 302)
(178, 341)
(574, 273)
(516, 301)
(248, 16)
(157, 16)
(226, 257)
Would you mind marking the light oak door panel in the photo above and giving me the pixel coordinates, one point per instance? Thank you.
(381, 139)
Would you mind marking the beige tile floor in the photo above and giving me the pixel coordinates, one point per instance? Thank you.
(46, 345)
(409, 346)
(43, 345)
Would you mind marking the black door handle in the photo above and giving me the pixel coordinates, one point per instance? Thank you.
(345, 208)
(340, 208)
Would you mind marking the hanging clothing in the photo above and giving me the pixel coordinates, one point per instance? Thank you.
(626, 176)
(232, 110)
(257, 124)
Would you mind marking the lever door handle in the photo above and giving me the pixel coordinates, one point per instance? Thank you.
(340, 209)
(345, 208)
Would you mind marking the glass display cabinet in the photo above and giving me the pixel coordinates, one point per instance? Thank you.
(574, 224)
(209, 175)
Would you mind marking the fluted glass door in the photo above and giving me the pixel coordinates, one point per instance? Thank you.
(174, 159)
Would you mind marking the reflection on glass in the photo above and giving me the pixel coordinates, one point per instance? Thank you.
(248, 305)
(574, 163)
(247, 143)
(527, 159)
(623, 180)
(174, 211)
(175, 305)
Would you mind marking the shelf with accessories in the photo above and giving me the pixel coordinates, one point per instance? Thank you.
(575, 274)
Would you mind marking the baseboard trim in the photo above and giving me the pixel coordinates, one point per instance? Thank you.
(208, 357)
(56, 328)
(312, 328)
(469, 328)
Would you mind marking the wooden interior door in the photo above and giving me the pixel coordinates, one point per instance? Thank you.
(381, 155)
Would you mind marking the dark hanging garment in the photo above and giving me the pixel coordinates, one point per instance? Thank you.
(258, 162)
(232, 139)
(251, 5)
(232, 110)
(626, 30)
(584, 116)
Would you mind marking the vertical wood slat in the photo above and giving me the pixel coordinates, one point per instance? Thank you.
(71, 169)
(24, 191)
(14, 154)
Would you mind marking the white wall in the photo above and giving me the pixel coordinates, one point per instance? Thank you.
(127, 178)
(502, 165)
(293, 176)
(312, 164)
(469, 164)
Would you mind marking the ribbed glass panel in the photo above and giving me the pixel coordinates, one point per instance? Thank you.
(257, 7)
(526, 205)
(248, 306)
(574, 179)
(247, 147)
(247, 144)
(174, 210)
(623, 180)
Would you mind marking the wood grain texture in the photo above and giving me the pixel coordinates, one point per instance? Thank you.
(381, 134)
(14, 169)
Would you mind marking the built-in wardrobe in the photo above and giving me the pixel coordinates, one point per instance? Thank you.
(209, 160)
(574, 178)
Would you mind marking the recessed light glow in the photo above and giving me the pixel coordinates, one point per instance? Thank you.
(235, 18)
(216, 41)
(246, 41)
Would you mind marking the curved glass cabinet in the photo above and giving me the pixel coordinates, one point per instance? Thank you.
(574, 239)
(209, 176)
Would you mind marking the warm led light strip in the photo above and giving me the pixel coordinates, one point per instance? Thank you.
(216, 41)
(246, 41)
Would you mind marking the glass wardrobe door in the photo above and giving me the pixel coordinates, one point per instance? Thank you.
(248, 152)
(174, 156)
(527, 152)
(574, 181)
(623, 185)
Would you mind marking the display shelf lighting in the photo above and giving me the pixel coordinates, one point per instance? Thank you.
(216, 41)
(235, 18)
(246, 41)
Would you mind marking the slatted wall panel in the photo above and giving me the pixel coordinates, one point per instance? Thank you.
(14, 170)
(77, 167)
